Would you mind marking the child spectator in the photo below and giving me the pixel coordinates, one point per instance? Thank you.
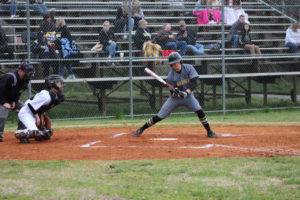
(245, 41)
(292, 37)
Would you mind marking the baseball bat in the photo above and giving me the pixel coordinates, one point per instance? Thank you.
(154, 75)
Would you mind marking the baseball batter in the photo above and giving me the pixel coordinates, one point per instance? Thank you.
(31, 112)
(183, 78)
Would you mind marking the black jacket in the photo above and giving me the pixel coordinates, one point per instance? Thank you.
(191, 36)
(8, 92)
(162, 37)
(104, 37)
(64, 32)
(140, 37)
(244, 39)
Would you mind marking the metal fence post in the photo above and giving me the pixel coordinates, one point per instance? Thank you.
(130, 59)
(28, 42)
(223, 62)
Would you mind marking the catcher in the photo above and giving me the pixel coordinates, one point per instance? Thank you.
(33, 123)
(183, 78)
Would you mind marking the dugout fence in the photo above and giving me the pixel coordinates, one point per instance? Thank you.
(230, 78)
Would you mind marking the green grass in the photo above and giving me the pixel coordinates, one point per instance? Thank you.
(266, 117)
(226, 178)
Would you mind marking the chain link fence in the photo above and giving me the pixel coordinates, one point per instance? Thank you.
(108, 80)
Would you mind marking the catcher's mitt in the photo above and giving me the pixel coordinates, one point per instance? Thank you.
(45, 122)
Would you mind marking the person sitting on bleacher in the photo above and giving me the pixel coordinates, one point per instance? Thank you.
(64, 43)
(9, 5)
(245, 41)
(167, 40)
(121, 20)
(48, 27)
(236, 29)
(144, 41)
(207, 14)
(108, 40)
(43, 49)
(137, 12)
(4, 47)
(232, 12)
(190, 36)
(40, 7)
(292, 37)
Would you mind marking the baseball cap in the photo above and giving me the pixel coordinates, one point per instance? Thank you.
(182, 23)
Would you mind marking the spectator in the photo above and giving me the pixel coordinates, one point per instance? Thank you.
(190, 36)
(121, 21)
(167, 40)
(12, 85)
(144, 41)
(208, 14)
(236, 29)
(48, 27)
(245, 41)
(40, 7)
(64, 43)
(108, 40)
(11, 6)
(137, 12)
(292, 37)
(43, 49)
(4, 48)
(233, 11)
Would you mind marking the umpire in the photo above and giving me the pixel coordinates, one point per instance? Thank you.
(12, 85)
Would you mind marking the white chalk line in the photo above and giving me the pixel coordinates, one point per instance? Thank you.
(239, 135)
(191, 147)
(118, 135)
(165, 139)
(90, 145)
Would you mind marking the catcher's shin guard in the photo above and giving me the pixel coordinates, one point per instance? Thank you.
(33, 133)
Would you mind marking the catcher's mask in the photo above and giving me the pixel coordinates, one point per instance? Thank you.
(56, 82)
(175, 57)
(28, 69)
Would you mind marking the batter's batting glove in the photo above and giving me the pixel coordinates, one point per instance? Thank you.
(175, 93)
(183, 94)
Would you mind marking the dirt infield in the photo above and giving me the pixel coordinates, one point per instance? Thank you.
(156, 143)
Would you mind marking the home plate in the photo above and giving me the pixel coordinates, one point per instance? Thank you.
(164, 139)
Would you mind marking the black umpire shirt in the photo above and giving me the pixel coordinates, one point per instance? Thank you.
(8, 91)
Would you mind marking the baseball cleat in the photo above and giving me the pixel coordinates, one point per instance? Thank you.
(137, 133)
(24, 140)
(212, 134)
(20, 135)
(1, 139)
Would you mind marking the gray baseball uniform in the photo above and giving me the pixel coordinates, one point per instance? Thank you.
(180, 81)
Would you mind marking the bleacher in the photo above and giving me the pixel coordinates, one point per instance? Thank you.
(84, 18)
